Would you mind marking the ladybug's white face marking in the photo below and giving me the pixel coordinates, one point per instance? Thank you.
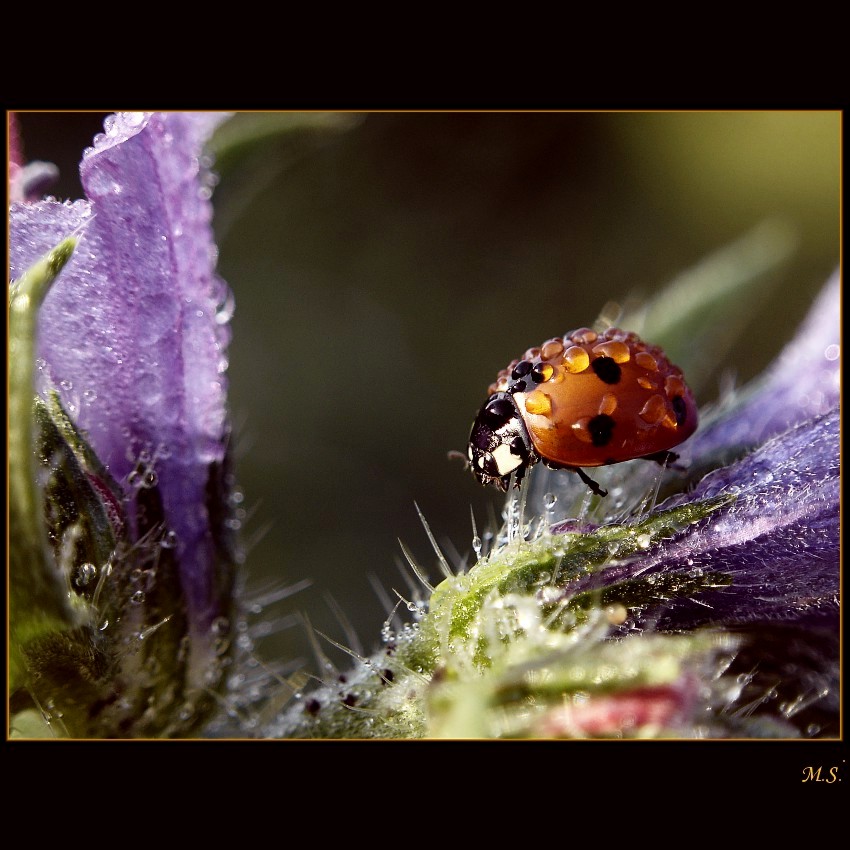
(499, 444)
(506, 461)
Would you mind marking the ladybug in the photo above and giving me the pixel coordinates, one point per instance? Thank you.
(584, 399)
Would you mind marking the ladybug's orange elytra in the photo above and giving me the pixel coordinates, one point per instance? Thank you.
(586, 399)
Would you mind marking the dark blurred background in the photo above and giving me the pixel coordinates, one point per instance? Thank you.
(386, 266)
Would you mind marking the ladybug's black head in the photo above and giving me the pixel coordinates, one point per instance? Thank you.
(499, 443)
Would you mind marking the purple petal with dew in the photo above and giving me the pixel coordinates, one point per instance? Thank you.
(132, 333)
(803, 382)
(778, 541)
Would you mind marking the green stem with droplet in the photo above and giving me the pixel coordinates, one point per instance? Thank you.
(521, 567)
(38, 601)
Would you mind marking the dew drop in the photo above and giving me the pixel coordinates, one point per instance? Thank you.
(549, 500)
(169, 540)
(220, 626)
(552, 348)
(90, 396)
(646, 361)
(225, 311)
(84, 574)
(576, 359)
(137, 598)
(643, 540)
(477, 546)
(236, 681)
(616, 614)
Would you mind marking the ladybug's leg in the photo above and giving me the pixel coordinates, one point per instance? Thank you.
(666, 459)
(590, 482)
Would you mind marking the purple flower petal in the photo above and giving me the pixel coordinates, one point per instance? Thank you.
(779, 540)
(130, 335)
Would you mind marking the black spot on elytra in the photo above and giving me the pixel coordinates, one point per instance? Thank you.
(521, 369)
(601, 428)
(680, 409)
(607, 370)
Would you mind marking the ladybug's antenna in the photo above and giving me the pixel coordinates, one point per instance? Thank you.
(454, 454)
